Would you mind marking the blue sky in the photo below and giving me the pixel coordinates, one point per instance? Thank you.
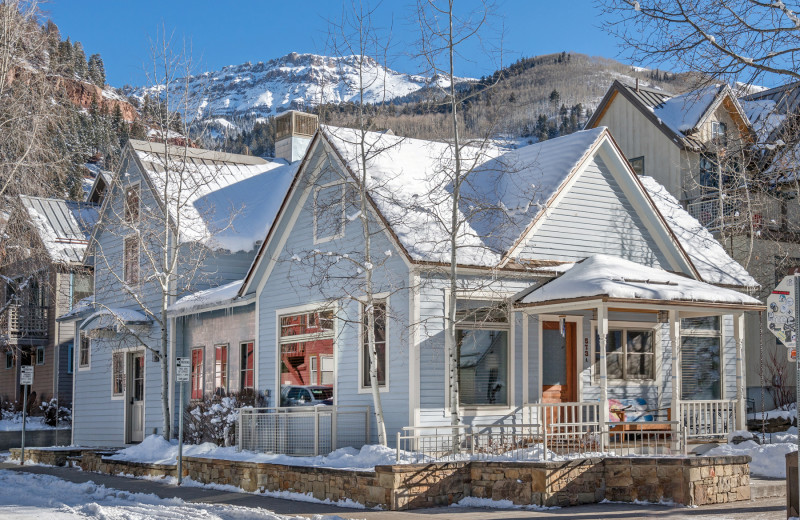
(232, 32)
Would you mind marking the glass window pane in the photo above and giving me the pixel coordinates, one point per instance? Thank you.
(483, 367)
(554, 358)
(700, 368)
(614, 370)
(481, 311)
(640, 366)
(704, 324)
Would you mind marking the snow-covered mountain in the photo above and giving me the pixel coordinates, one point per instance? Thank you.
(292, 81)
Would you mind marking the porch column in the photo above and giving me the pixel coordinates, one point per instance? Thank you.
(738, 334)
(602, 334)
(674, 338)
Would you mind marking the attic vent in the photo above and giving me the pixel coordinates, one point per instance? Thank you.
(295, 123)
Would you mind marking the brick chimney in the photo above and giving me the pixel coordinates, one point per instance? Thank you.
(293, 133)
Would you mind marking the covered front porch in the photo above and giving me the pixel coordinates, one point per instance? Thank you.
(629, 354)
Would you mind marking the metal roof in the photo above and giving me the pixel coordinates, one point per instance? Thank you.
(64, 226)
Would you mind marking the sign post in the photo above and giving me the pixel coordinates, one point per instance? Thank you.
(183, 370)
(25, 379)
(783, 310)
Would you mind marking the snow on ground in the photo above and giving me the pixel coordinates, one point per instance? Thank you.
(156, 450)
(769, 460)
(27, 496)
(488, 503)
(15, 424)
(786, 415)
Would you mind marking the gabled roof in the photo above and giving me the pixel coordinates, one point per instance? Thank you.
(64, 226)
(677, 116)
(604, 276)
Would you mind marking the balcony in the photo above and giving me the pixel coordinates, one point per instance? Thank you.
(25, 323)
(737, 211)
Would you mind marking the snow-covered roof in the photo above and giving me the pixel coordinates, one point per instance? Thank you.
(617, 278)
(710, 259)
(684, 113)
(408, 180)
(64, 226)
(226, 200)
(224, 295)
(114, 317)
(82, 308)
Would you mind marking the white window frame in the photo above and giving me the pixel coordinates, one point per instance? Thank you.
(486, 409)
(124, 355)
(656, 328)
(700, 333)
(300, 309)
(89, 340)
(321, 240)
(38, 350)
(125, 261)
(362, 388)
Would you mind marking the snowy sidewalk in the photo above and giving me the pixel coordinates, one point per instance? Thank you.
(769, 509)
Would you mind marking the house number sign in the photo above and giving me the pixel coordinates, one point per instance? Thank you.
(585, 351)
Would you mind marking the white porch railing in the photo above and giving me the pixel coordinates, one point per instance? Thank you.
(567, 427)
(708, 419)
(302, 430)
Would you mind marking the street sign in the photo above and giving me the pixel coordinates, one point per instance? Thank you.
(791, 354)
(26, 375)
(781, 318)
(183, 370)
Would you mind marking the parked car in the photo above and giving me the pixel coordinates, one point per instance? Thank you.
(295, 395)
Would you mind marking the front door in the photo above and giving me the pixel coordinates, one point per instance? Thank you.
(135, 397)
(559, 382)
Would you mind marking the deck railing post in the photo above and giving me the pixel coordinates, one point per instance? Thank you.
(316, 431)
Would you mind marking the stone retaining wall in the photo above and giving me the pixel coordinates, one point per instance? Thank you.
(690, 481)
(50, 457)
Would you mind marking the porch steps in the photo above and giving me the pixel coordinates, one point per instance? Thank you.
(766, 487)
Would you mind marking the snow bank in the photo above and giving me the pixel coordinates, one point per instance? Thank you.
(15, 424)
(769, 460)
(156, 450)
(28, 496)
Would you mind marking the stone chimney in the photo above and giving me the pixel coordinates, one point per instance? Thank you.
(293, 133)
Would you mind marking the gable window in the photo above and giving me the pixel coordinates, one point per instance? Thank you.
(132, 204)
(131, 261)
(197, 373)
(329, 218)
(246, 364)
(637, 163)
(701, 375)
(719, 133)
(84, 351)
(9, 359)
(482, 337)
(221, 369)
(117, 374)
(630, 353)
(379, 327)
(306, 339)
(81, 287)
(40, 355)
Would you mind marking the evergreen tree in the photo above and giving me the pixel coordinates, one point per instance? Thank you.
(79, 60)
(66, 64)
(97, 72)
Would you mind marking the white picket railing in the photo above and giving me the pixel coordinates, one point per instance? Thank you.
(709, 419)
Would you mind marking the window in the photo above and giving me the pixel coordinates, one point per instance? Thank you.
(303, 338)
(637, 163)
(9, 359)
(70, 357)
(84, 351)
(81, 287)
(131, 261)
(246, 366)
(40, 355)
(379, 326)
(197, 373)
(630, 353)
(719, 133)
(221, 369)
(482, 338)
(132, 204)
(701, 377)
(329, 212)
(711, 172)
(117, 374)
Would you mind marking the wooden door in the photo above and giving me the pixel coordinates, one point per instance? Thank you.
(559, 381)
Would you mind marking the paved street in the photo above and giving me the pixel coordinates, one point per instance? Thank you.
(763, 509)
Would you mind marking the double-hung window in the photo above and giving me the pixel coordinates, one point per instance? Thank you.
(306, 339)
(630, 353)
(131, 260)
(246, 363)
(197, 373)
(117, 373)
(221, 369)
(701, 342)
(84, 351)
(482, 336)
(379, 328)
